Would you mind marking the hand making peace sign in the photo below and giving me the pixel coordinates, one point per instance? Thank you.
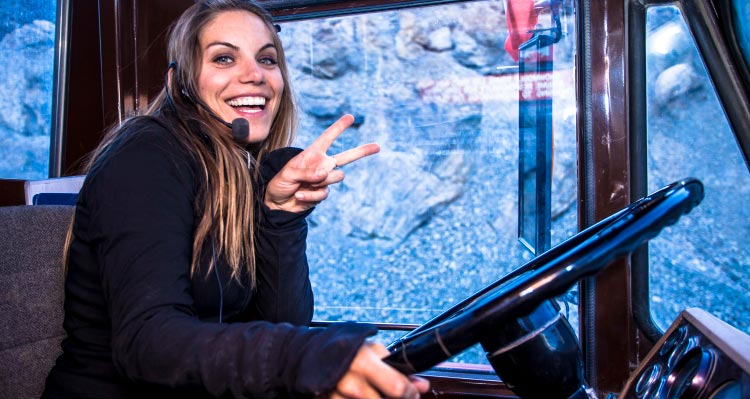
(303, 182)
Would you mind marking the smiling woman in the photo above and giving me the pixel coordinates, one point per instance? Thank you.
(187, 272)
(241, 59)
(239, 71)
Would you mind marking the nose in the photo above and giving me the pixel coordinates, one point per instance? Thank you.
(252, 73)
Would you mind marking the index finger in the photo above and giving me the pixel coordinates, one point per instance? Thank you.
(324, 141)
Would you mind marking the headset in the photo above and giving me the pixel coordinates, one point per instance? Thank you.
(240, 127)
(240, 133)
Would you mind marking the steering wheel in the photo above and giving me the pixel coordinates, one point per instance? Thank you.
(521, 299)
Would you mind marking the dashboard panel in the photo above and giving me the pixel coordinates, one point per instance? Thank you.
(698, 357)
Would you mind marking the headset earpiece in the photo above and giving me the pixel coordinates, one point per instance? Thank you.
(167, 79)
(240, 127)
(183, 93)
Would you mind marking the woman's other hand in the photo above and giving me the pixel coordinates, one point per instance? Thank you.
(304, 180)
(369, 377)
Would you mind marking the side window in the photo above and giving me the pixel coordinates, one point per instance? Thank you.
(741, 22)
(433, 217)
(704, 260)
(27, 50)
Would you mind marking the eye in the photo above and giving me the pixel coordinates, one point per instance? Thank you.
(268, 60)
(223, 59)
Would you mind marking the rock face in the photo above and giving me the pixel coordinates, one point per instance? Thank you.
(431, 124)
(26, 56)
(26, 66)
(432, 87)
(438, 206)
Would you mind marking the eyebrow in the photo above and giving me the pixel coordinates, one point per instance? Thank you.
(225, 44)
(233, 47)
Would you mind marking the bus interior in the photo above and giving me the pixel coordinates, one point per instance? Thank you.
(559, 209)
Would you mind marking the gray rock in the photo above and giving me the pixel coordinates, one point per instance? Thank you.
(440, 39)
(670, 44)
(394, 195)
(674, 83)
(335, 49)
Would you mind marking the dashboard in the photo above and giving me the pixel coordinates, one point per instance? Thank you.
(698, 357)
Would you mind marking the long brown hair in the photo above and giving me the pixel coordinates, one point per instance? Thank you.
(226, 200)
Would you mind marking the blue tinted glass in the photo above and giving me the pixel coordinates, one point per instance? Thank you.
(27, 32)
(703, 261)
(741, 19)
(433, 217)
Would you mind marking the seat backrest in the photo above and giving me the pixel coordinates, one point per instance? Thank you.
(32, 239)
(53, 191)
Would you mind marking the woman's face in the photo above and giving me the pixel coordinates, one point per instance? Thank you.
(239, 75)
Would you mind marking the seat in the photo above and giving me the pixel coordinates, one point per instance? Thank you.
(32, 239)
(53, 191)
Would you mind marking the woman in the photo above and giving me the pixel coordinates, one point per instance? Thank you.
(186, 270)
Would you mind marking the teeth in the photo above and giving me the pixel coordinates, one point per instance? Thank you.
(247, 101)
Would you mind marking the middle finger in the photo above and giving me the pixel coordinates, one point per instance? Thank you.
(334, 176)
(354, 154)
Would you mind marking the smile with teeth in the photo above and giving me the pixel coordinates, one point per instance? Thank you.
(253, 104)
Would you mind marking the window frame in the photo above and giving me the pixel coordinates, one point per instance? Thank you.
(610, 342)
(109, 42)
(727, 78)
(605, 300)
(59, 87)
(302, 10)
(298, 10)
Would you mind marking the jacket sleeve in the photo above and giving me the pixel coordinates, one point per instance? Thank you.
(141, 199)
(283, 291)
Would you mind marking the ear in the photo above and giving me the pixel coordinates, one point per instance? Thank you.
(183, 93)
(170, 72)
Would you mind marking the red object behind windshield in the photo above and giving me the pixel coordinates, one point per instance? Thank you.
(521, 18)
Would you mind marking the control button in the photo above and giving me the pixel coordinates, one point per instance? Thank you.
(690, 374)
(648, 381)
(683, 347)
(675, 338)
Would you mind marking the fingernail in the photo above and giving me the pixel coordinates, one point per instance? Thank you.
(299, 196)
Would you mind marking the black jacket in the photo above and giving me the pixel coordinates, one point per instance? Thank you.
(138, 324)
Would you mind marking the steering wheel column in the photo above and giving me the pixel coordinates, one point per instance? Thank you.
(542, 341)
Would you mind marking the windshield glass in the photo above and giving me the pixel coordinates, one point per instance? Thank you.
(703, 261)
(433, 217)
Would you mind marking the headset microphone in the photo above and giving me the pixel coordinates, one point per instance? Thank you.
(241, 130)
(240, 126)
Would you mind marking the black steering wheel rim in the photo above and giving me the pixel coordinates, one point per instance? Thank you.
(546, 276)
